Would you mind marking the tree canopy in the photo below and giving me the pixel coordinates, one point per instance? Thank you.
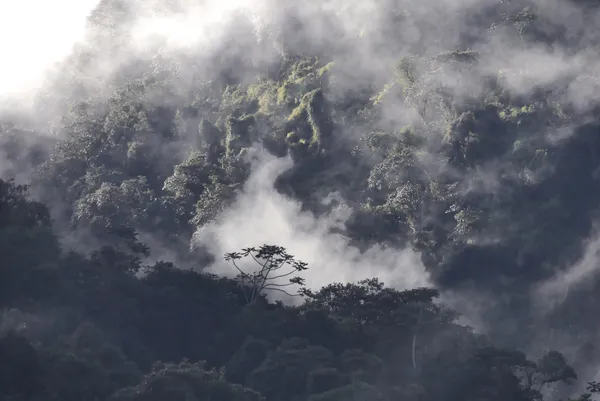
(468, 139)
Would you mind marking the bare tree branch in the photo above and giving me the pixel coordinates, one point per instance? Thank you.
(278, 285)
(284, 275)
(269, 259)
(287, 293)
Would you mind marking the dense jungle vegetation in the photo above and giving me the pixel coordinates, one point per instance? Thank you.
(432, 147)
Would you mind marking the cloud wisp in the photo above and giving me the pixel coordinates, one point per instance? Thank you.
(261, 215)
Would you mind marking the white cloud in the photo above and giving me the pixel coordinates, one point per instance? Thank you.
(261, 215)
(551, 293)
(34, 35)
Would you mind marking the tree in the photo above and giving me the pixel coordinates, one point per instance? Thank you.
(28, 246)
(246, 359)
(185, 381)
(19, 367)
(368, 303)
(274, 264)
(285, 372)
(353, 392)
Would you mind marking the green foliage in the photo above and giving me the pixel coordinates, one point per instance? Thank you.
(301, 76)
(285, 371)
(323, 380)
(239, 134)
(311, 124)
(185, 381)
(250, 355)
(18, 367)
(354, 392)
(494, 186)
(361, 366)
(106, 328)
(28, 245)
(190, 177)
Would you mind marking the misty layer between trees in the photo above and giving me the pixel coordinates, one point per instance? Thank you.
(317, 201)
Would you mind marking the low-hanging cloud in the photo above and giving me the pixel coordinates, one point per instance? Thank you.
(366, 41)
(35, 35)
(551, 293)
(261, 215)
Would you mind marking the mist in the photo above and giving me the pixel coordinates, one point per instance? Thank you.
(35, 36)
(88, 55)
(261, 215)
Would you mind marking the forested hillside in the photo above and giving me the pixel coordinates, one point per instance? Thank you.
(433, 167)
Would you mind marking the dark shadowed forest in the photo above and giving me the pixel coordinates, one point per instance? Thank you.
(273, 200)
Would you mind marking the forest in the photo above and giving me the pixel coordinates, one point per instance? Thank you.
(317, 201)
